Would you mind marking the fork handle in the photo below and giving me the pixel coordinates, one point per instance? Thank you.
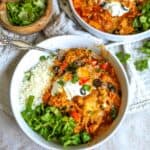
(21, 45)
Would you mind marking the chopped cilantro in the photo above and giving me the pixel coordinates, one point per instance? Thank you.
(85, 137)
(25, 12)
(141, 65)
(43, 58)
(123, 57)
(145, 48)
(142, 21)
(52, 125)
(74, 78)
(61, 82)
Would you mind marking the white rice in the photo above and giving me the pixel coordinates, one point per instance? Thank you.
(39, 81)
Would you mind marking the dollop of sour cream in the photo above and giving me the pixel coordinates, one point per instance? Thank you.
(71, 89)
(57, 88)
(116, 9)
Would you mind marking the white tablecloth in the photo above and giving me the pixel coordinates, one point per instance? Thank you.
(134, 134)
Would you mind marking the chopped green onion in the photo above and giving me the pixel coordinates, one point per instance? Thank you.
(74, 78)
(61, 82)
(146, 48)
(123, 57)
(143, 19)
(52, 55)
(27, 75)
(86, 87)
(85, 137)
(146, 44)
(43, 58)
(142, 22)
(29, 102)
(141, 65)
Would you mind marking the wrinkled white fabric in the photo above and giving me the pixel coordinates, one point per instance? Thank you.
(134, 132)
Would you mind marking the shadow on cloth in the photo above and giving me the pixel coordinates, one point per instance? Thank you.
(5, 77)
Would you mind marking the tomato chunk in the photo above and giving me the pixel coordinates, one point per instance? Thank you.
(104, 66)
(83, 81)
(75, 115)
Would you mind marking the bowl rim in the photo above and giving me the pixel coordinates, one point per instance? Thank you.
(108, 36)
(114, 129)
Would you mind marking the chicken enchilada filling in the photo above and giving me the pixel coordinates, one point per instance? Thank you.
(85, 87)
(71, 98)
(114, 16)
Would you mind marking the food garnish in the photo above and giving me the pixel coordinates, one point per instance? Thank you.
(61, 82)
(123, 57)
(75, 78)
(77, 100)
(115, 17)
(25, 12)
(27, 75)
(141, 64)
(50, 123)
(43, 58)
(145, 48)
(142, 22)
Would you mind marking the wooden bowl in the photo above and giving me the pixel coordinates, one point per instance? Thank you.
(29, 29)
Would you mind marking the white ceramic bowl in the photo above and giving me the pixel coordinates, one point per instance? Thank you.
(32, 57)
(105, 35)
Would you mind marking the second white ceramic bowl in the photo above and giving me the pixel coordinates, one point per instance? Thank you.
(105, 35)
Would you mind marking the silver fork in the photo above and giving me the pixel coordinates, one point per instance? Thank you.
(22, 45)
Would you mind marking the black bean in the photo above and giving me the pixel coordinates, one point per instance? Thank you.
(113, 112)
(97, 83)
(111, 87)
(83, 91)
(103, 4)
(120, 93)
(73, 66)
(78, 63)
